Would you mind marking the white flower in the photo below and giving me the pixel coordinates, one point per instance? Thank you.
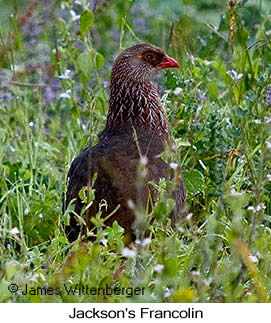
(128, 253)
(189, 82)
(131, 204)
(267, 119)
(251, 208)
(178, 91)
(235, 193)
(173, 165)
(168, 292)
(261, 206)
(33, 277)
(158, 268)
(189, 216)
(200, 96)
(253, 259)
(74, 15)
(234, 75)
(65, 95)
(241, 160)
(66, 74)
(104, 241)
(195, 273)
(14, 231)
(144, 160)
(268, 144)
(143, 243)
(268, 176)
(257, 121)
(191, 58)
(258, 208)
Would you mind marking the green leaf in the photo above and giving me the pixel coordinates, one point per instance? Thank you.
(87, 194)
(99, 59)
(114, 233)
(213, 90)
(13, 169)
(242, 36)
(171, 267)
(86, 21)
(85, 63)
(18, 39)
(11, 268)
(171, 80)
(116, 228)
(193, 181)
(4, 292)
(160, 210)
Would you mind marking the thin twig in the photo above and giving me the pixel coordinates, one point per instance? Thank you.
(92, 5)
(50, 14)
(34, 85)
(216, 32)
(170, 35)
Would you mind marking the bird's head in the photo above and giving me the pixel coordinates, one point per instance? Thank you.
(142, 61)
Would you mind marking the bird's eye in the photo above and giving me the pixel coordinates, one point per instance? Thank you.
(150, 57)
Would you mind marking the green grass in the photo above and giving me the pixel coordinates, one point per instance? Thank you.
(221, 124)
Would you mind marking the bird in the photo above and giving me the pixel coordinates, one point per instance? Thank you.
(136, 133)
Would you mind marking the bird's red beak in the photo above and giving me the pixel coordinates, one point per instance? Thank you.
(168, 62)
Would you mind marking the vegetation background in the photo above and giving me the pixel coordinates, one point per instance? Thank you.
(55, 61)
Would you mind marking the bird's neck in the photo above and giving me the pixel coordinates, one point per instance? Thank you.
(136, 103)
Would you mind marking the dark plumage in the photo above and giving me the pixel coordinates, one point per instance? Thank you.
(136, 126)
